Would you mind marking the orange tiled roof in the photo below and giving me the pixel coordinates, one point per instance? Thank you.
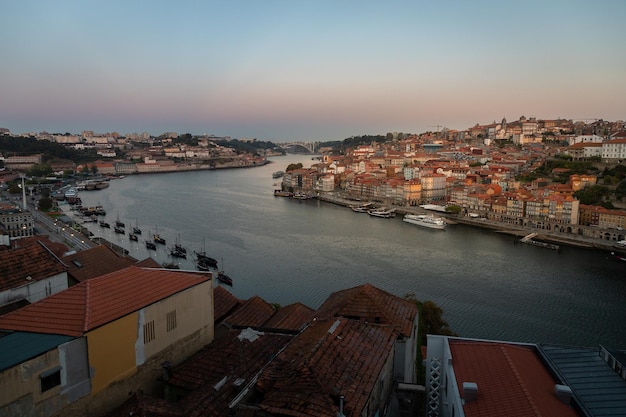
(98, 301)
(330, 358)
(371, 304)
(224, 303)
(253, 313)
(94, 262)
(291, 318)
(32, 262)
(509, 377)
(59, 249)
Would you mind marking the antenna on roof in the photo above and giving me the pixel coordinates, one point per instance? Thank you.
(340, 413)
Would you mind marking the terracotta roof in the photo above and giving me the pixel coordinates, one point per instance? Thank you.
(148, 263)
(31, 262)
(212, 373)
(290, 318)
(96, 261)
(370, 304)
(509, 377)
(58, 248)
(253, 313)
(224, 303)
(330, 358)
(97, 301)
(142, 405)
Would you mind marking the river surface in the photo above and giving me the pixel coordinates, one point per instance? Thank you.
(288, 251)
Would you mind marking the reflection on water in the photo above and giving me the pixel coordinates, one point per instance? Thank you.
(287, 250)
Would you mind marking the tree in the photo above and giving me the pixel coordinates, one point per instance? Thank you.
(592, 195)
(291, 167)
(15, 189)
(620, 191)
(45, 203)
(432, 322)
(430, 319)
(453, 209)
(94, 169)
(40, 170)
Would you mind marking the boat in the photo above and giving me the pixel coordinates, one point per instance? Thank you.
(157, 238)
(105, 224)
(119, 230)
(382, 212)
(364, 208)
(202, 266)
(170, 265)
(119, 223)
(70, 193)
(224, 279)
(278, 174)
(303, 196)
(618, 257)
(150, 245)
(426, 220)
(101, 185)
(177, 253)
(202, 258)
(281, 193)
(133, 237)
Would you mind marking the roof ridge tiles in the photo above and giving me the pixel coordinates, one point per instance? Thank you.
(87, 312)
(520, 380)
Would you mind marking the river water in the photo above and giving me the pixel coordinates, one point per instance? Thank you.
(288, 251)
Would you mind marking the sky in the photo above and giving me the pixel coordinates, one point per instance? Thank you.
(306, 70)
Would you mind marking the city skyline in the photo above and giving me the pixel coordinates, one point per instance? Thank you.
(283, 71)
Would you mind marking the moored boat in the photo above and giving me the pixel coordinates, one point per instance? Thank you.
(133, 237)
(364, 208)
(119, 230)
(382, 212)
(224, 279)
(105, 224)
(281, 193)
(426, 220)
(150, 245)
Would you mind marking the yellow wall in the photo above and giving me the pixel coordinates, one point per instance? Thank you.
(112, 352)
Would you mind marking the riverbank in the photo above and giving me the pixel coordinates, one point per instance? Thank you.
(548, 236)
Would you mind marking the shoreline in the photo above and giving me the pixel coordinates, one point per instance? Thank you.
(546, 236)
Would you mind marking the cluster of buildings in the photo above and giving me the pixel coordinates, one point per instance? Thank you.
(480, 174)
(121, 157)
(99, 333)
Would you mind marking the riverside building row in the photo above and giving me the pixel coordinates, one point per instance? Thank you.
(477, 178)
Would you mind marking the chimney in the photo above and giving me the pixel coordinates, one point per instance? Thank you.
(563, 393)
(470, 391)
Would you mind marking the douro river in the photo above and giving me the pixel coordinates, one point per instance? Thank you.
(287, 251)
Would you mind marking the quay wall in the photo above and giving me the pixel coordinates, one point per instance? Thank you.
(562, 238)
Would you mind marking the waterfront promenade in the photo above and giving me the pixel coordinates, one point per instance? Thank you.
(561, 238)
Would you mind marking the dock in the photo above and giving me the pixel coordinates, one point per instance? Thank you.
(530, 240)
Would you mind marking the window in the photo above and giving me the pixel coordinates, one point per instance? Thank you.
(171, 320)
(148, 332)
(50, 379)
